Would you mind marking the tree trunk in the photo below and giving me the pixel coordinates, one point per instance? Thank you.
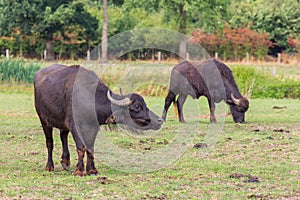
(182, 29)
(104, 33)
(49, 50)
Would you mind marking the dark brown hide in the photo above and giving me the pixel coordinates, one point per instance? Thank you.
(75, 100)
(212, 79)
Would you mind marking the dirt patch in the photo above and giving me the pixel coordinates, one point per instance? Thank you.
(249, 177)
(258, 196)
(101, 180)
(200, 145)
(161, 197)
(279, 107)
(270, 128)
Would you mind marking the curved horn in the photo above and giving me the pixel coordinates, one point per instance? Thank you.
(124, 102)
(235, 101)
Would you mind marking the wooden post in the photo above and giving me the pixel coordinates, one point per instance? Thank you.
(278, 58)
(7, 54)
(45, 54)
(153, 60)
(187, 56)
(182, 49)
(278, 63)
(216, 55)
(88, 56)
(159, 57)
(247, 58)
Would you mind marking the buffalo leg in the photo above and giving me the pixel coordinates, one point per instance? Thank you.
(180, 101)
(212, 111)
(49, 143)
(90, 165)
(80, 151)
(65, 157)
(169, 99)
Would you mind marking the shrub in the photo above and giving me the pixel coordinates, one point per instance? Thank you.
(285, 90)
(18, 70)
(264, 85)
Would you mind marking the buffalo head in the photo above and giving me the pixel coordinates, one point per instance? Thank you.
(132, 111)
(238, 107)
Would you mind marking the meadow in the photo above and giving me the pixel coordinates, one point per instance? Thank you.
(265, 150)
(259, 159)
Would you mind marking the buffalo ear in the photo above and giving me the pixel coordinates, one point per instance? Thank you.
(111, 120)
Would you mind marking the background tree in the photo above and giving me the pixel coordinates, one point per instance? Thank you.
(278, 18)
(45, 19)
(104, 32)
(17, 19)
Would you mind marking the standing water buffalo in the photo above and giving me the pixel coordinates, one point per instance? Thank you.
(212, 79)
(74, 99)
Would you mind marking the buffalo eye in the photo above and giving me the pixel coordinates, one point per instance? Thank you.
(240, 109)
(136, 107)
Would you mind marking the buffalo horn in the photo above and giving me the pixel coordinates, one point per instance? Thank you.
(123, 102)
(235, 101)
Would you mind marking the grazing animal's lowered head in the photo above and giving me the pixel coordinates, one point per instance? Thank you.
(238, 107)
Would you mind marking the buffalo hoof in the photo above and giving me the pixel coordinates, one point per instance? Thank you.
(49, 169)
(92, 172)
(65, 164)
(79, 173)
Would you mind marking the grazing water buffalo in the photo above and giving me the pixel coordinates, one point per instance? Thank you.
(74, 99)
(212, 79)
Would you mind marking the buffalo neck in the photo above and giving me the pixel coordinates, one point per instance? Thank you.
(102, 104)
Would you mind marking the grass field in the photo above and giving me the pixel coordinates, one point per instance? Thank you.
(266, 147)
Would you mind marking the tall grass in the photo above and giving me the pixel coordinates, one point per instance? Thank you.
(153, 80)
(262, 84)
(18, 70)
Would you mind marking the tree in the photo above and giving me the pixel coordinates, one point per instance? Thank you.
(279, 18)
(104, 33)
(17, 19)
(45, 19)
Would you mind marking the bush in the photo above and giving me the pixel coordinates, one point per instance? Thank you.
(286, 90)
(264, 85)
(18, 70)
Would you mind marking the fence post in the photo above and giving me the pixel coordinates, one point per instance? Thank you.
(247, 58)
(216, 55)
(187, 56)
(159, 57)
(278, 63)
(45, 54)
(153, 60)
(278, 58)
(88, 57)
(7, 54)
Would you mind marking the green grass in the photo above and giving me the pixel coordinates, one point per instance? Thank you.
(266, 146)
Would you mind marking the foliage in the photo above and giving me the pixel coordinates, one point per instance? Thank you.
(45, 19)
(294, 44)
(18, 71)
(263, 84)
(284, 90)
(279, 18)
(70, 28)
(234, 43)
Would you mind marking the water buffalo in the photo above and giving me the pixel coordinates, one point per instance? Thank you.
(72, 98)
(212, 79)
